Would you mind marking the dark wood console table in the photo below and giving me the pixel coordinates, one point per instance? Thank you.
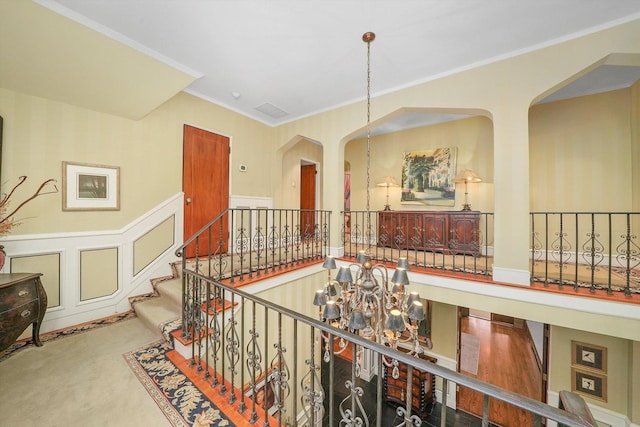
(450, 232)
(23, 302)
(422, 388)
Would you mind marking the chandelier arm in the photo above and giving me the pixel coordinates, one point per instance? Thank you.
(384, 273)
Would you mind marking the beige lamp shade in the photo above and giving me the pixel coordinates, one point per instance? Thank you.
(467, 175)
(388, 181)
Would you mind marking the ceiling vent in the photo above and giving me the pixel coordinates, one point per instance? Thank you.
(271, 110)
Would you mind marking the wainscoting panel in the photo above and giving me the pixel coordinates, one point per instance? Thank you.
(90, 275)
(49, 266)
(98, 273)
(153, 243)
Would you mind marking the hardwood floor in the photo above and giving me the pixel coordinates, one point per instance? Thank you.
(506, 360)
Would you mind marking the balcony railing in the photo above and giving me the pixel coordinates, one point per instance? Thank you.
(244, 244)
(594, 250)
(275, 363)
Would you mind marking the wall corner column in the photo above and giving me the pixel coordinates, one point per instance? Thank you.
(511, 196)
(333, 194)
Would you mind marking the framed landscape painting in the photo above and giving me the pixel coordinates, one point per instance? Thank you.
(88, 187)
(427, 177)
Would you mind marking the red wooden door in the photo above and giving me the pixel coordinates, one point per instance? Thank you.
(205, 182)
(307, 199)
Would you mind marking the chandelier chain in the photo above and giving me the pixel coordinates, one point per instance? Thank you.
(368, 38)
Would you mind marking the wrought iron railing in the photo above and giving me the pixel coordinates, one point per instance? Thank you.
(242, 244)
(594, 250)
(267, 359)
(276, 366)
(430, 240)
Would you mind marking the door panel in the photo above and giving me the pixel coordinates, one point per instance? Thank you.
(307, 199)
(205, 182)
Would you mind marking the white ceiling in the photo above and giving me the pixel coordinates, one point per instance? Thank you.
(303, 57)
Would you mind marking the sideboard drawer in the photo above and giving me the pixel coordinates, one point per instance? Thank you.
(19, 317)
(23, 302)
(20, 293)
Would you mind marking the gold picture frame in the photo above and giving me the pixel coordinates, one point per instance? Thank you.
(89, 187)
(589, 383)
(589, 356)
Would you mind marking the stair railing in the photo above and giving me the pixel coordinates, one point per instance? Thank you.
(243, 244)
(276, 366)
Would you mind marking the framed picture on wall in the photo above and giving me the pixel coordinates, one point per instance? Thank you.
(87, 187)
(590, 384)
(589, 356)
(427, 177)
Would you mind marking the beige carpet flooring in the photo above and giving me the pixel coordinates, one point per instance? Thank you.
(79, 380)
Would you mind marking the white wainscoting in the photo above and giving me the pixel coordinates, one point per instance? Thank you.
(71, 310)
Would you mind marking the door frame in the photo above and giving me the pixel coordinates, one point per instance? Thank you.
(306, 162)
(206, 129)
(543, 364)
(230, 149)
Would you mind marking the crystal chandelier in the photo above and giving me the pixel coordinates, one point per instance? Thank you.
(372, 305)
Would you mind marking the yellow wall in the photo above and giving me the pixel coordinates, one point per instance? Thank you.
(580, 153)
(504, 91)
(290, 179)
(633, 399)
(473, 138)
(444, 330)
(618, 374)
(40, 134)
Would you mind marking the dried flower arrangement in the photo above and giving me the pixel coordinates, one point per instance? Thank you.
(7, 221)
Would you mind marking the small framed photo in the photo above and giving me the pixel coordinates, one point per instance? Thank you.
(589, 384)
(589, 356)
(87, 187)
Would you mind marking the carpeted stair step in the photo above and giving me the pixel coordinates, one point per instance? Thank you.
(156, 312)
(159, 310)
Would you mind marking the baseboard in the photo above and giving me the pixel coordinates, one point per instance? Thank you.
(511, 275)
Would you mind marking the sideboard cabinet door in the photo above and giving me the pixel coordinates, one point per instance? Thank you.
(464, 233)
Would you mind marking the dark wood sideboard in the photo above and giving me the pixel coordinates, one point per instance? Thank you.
(23, 302)
(449, 232)
(422, 388)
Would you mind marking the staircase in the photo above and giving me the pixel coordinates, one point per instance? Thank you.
(161, 310)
